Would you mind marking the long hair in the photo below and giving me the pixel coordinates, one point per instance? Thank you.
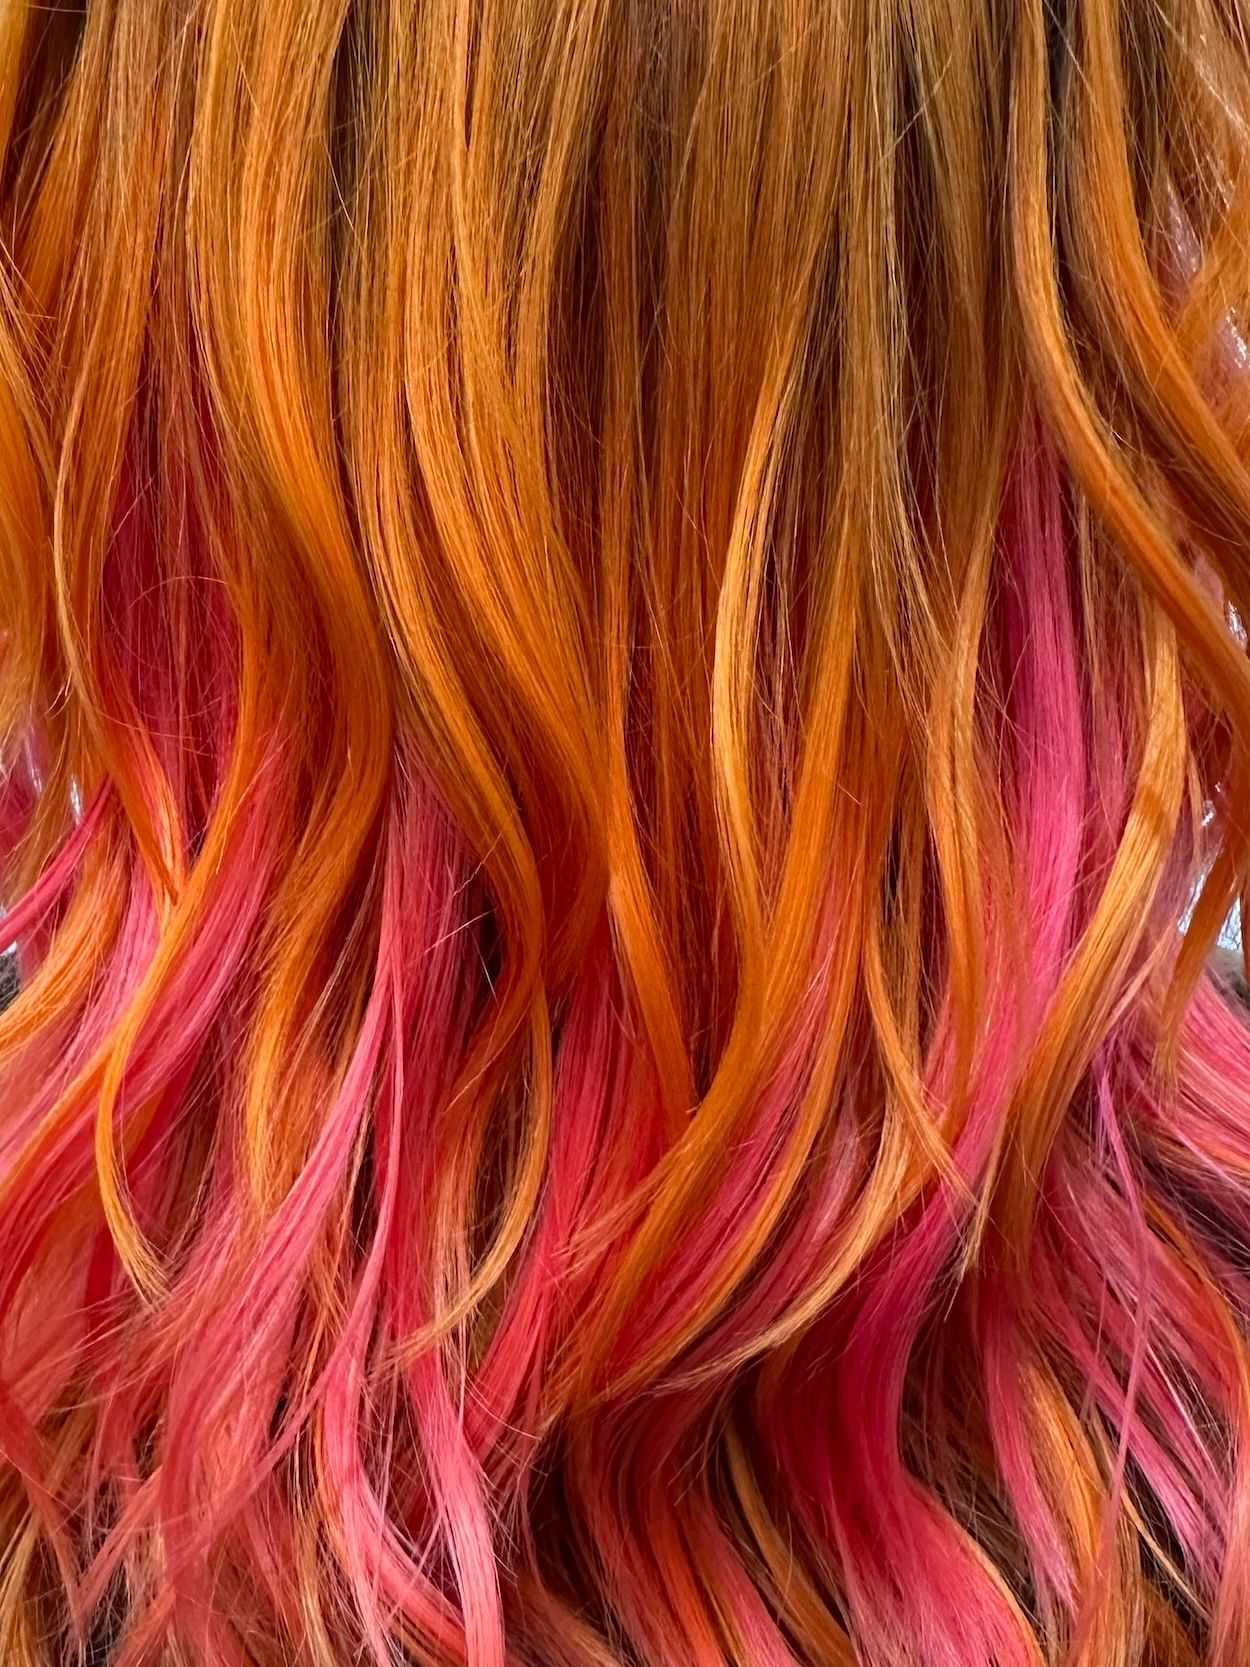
(626, 735)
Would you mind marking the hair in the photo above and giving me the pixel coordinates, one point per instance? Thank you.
(626, 733)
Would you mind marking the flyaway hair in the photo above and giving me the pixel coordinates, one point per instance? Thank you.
(625, 732)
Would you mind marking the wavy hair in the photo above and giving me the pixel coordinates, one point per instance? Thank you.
(625, 729)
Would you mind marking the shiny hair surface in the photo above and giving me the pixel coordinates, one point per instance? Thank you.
(626, 733)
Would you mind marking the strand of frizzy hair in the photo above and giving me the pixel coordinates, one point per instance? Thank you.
(626, 738)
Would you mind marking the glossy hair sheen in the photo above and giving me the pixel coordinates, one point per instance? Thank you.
(626, 732)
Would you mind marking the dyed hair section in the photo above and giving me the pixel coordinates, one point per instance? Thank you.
(626, 732)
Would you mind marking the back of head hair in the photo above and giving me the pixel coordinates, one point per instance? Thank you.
(625, 730)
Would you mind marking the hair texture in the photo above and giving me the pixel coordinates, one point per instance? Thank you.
(626, 733)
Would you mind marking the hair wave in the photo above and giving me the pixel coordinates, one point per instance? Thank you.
(625, 730)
